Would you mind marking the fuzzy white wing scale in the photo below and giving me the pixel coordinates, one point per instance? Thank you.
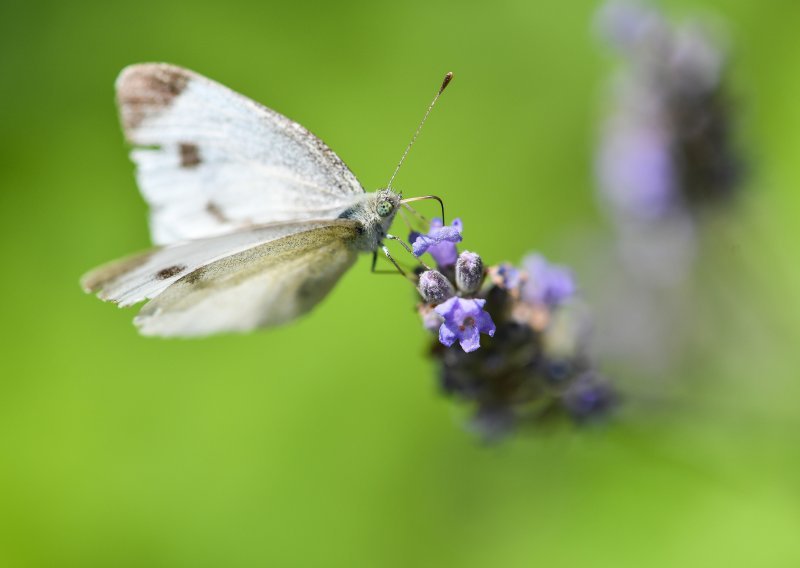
(211, 161)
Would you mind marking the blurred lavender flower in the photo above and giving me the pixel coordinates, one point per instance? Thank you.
(666, 148)
(589, 397)
(666, 158)
(506, 276)
(546, 283)
(439, 242)
(522, 335)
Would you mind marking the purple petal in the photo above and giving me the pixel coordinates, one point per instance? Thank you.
(470, 339)
(472, 307)
(457, 313)
(439, 242)
(547, 283)
(446, 234)
(446, 335)
(445, 254)
(437, 237)
(445, 309)
(485, 324)
(421, 244)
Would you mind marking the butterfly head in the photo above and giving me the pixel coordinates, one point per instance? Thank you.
(384, 208)
(375, 213)
(386, 203)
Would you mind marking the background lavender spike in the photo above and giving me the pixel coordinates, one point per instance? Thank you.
(667, 146)
(666, 163)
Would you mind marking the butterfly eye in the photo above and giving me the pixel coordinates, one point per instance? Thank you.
(384, 208)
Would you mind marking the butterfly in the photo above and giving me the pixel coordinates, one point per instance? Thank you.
(254, 218)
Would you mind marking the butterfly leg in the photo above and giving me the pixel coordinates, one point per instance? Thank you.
(393, 261)
(408, 248)
(385, 249)
(376, 271)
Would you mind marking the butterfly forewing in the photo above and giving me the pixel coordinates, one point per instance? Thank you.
(211, 161)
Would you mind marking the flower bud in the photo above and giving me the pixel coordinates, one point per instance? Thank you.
(469, 272)
(434, 287)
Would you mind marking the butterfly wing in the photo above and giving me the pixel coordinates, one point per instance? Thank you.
(145, 275)
(266, 285)
(211, 161)
(260, 277)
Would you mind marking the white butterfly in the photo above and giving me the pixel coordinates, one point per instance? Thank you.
(255, 217)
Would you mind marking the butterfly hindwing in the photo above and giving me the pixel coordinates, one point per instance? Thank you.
(263, 286)
(146, 275)
(211, 161)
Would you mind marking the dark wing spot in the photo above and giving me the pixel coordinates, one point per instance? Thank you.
(195, 276)
(145, 90)
(171, 271)
(190, 155)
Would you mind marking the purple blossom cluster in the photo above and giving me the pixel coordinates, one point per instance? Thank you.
(511, 341)
(666, 148)
(666, 161)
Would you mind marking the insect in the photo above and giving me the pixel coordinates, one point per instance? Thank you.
(253, 217)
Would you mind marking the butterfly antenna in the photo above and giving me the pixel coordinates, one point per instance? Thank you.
(445, 82)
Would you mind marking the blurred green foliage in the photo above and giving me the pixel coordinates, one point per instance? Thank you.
(326, 443)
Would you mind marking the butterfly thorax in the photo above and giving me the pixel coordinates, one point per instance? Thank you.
(374, 212)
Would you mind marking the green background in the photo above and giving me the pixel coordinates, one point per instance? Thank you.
(326, 443)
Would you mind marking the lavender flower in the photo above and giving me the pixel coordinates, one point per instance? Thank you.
(464, 321)
(546, 284)
(440, 242)
(522, 353)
